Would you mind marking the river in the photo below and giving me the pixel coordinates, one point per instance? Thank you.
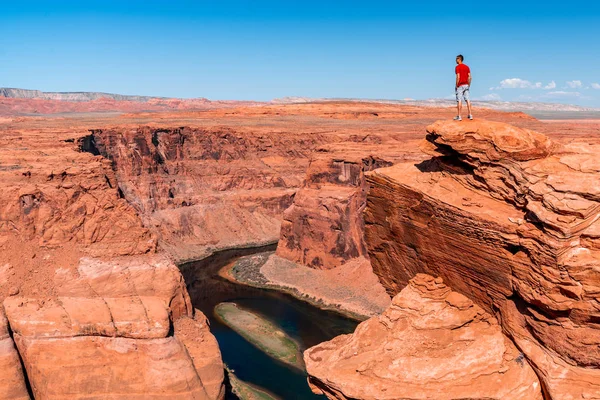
(306, 324)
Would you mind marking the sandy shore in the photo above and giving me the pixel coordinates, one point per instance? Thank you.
(262, 333)
(248, 391)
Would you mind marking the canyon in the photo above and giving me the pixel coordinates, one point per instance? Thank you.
(98, 212)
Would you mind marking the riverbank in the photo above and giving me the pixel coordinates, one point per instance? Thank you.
(351, 290)
(247, 391)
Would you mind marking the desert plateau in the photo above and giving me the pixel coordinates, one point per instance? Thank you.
(195, 251)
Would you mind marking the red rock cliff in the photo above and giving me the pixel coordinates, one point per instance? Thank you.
(323, 228)
(205, 188)
(85, 295)
(511, 219)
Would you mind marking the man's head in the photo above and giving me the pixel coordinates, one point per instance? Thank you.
(459, 59)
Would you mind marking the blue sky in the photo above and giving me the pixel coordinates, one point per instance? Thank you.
(517, 50)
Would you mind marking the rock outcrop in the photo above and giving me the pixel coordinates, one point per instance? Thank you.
(509, 218)
(323, 228)
(56, 199)
(115, 315)
(431, 343)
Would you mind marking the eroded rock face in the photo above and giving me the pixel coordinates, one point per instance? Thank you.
(203, 188)
(56, 201)
(431, 343)
(12, 384)
(323, 228)
(114, 315)
(509, 218)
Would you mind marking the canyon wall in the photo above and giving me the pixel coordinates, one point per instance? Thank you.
(200, 189)
(509, 218)
(84, 294)
(324, 227)
(91, 223)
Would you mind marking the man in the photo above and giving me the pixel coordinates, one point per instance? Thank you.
(463, 82)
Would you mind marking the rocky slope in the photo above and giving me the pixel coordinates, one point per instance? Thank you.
(509, 217)
(431, 343)
(54, 195)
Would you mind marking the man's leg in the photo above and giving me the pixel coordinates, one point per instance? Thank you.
(459, 107)
(467, 97)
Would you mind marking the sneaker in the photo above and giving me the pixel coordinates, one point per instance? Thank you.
(458, 118)
(470, 117)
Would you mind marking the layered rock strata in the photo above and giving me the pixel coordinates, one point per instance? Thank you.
(223, 182)
(510, 218)
(321, 249)
(431, 343)
(199, 189)
(323, 228)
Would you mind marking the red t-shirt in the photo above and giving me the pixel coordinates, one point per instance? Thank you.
(464, 72)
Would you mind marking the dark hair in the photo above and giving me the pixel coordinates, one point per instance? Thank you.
(461, 57)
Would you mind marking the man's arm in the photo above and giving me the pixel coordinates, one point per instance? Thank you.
(469, 78)
(457, 79)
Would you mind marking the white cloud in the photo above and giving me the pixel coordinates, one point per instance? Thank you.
(596, 85)
(491, 96)
(574, 84)
(518, 83)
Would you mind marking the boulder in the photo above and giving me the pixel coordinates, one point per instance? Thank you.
(108, 317)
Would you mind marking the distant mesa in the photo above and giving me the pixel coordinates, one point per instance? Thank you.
(14, 101)
(157, 103)
(494, 105)
(16, 93)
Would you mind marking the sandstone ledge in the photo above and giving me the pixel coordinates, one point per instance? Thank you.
(509, 218)
(431, 343)
(108, 317)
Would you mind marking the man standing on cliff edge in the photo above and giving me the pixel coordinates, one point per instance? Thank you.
(463, 82)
